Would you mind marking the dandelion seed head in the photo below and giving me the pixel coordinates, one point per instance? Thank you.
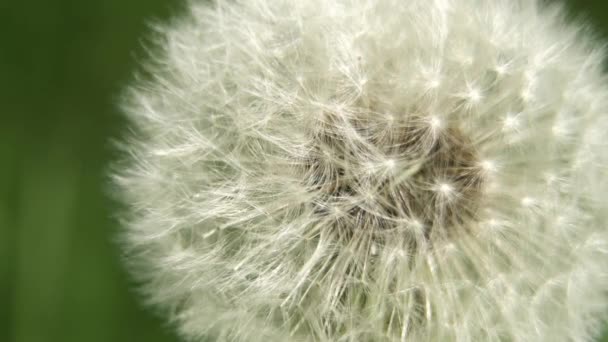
(370, 171)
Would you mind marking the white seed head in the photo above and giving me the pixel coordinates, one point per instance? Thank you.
(370, 170)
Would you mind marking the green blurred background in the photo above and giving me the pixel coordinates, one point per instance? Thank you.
(63, 64)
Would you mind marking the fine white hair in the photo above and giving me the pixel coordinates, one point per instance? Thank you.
(370, 170)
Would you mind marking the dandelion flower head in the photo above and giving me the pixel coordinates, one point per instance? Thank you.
(370, 170)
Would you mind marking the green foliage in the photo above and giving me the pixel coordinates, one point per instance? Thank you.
(63, 65)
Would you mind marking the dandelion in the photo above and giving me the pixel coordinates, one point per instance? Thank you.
(363, 170)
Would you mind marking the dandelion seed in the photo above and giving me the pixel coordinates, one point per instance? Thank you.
(474, 95)
(434, 83)
(390, 164)
(502, 69)
(528, 201)
(435, 123)
(445, 189)
(488, 166)
(511, 122)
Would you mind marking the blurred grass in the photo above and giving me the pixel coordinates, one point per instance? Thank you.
(62, 64)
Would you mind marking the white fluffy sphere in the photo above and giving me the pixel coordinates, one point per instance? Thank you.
(371, 170)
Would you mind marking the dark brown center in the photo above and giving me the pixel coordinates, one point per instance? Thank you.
(413, 175)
